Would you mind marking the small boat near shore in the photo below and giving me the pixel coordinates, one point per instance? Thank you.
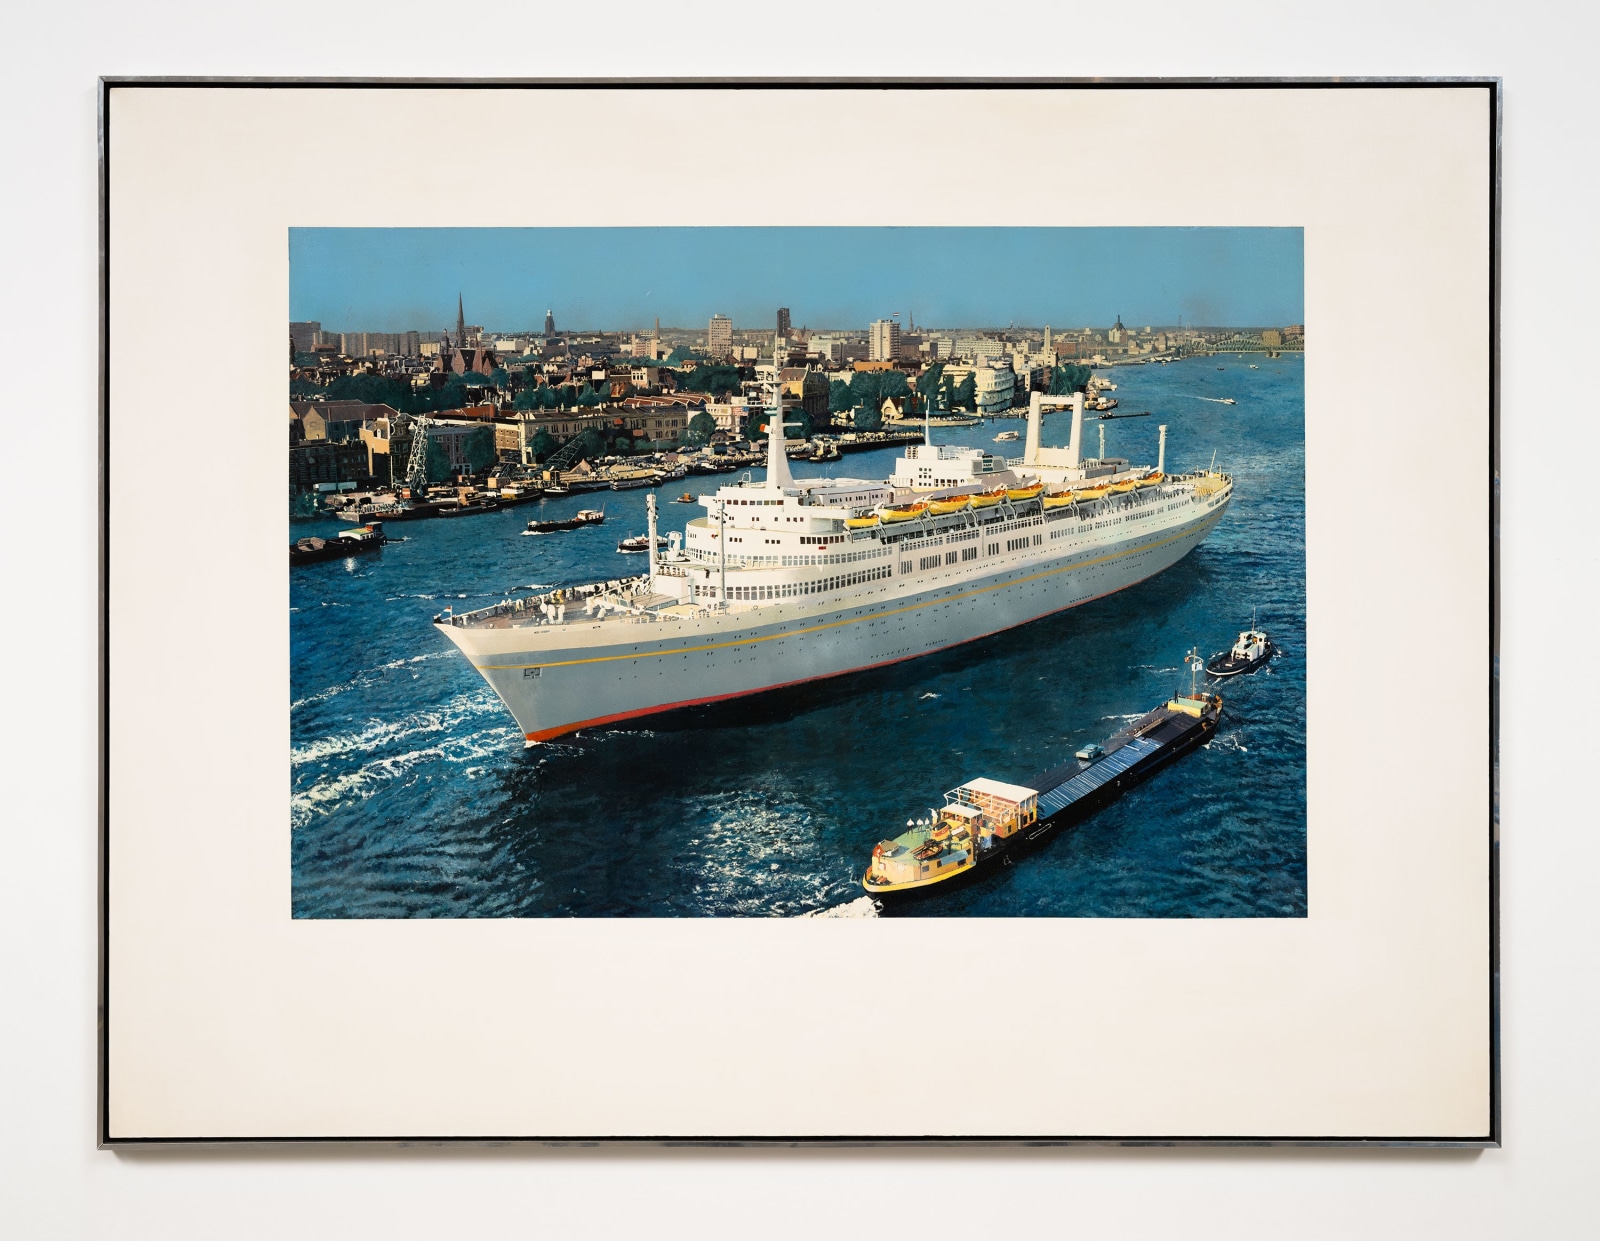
(352, 542)
(640, 543)
(468, 508)
(633, 481)
(584, 517)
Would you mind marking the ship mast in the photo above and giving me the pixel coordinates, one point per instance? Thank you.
(778, 474)
(650, 524)
(722, 555)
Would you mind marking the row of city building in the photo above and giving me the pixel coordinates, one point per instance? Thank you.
(884, 340)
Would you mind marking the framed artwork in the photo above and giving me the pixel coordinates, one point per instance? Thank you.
(985, 636)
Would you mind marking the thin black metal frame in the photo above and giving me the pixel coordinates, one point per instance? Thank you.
(1494, 89)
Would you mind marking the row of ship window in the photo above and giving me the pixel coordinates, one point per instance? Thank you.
(821, 558)
(947, 558)
(790, 590)
(925, 563)
(972, 532)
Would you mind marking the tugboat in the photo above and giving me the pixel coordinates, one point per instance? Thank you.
(986, 823)
(640, 543)
(585, 517)
(687, 498)
(1252, 650)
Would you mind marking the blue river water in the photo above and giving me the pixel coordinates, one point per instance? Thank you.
(412, 795)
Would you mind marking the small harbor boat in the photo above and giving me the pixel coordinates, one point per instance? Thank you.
(352, 542)
(584, 517)
(640, 543)
(687, 498)
(629, 482)
(1252, 650)
(1007, 437)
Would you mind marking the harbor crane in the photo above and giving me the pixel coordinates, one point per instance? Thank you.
(417, 465)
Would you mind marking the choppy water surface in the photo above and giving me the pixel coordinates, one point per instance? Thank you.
(411, 794)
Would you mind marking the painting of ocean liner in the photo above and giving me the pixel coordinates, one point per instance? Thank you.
(911, 562)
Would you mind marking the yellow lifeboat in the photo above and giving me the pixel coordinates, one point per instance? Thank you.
(903, 512)
(1089, 493)
(861, 523)
(1118, 489)
(1025, 493)
(1153, 479)
(988, 499)
(1059, 499)
(943, 508)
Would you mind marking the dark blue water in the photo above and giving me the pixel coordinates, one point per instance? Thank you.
(412, 794)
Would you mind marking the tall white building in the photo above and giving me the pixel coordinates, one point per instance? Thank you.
(884, 342)
(993, 384)
(719, 336)
(975, 347)
(830, 349)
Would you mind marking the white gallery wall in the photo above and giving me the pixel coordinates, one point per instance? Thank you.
(53, 1183)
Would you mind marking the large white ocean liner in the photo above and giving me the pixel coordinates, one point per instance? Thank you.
(785, 581)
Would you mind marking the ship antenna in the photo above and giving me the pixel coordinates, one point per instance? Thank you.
(1194, 661)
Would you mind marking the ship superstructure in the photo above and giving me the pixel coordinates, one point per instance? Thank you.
(784, 580)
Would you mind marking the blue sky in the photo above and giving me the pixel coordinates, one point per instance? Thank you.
(397, 279)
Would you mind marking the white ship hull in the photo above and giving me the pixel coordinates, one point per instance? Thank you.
(558, 678)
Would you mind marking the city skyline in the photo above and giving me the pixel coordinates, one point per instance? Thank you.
(623, 279)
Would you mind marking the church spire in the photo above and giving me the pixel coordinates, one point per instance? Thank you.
(461, 323)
